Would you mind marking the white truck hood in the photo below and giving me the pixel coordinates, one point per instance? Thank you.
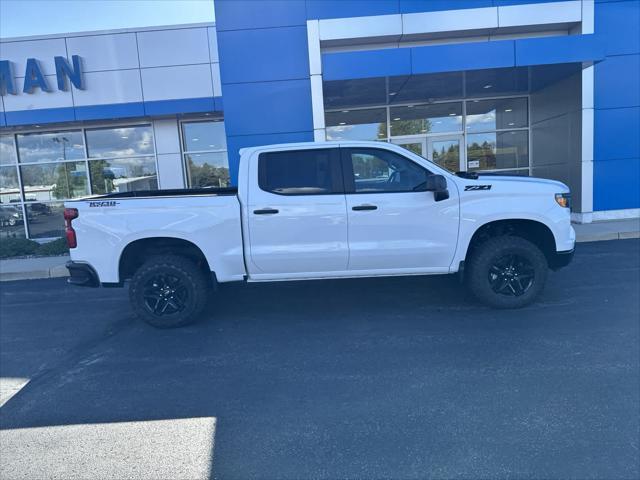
(525, 181)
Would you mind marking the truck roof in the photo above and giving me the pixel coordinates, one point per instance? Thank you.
(333, 143)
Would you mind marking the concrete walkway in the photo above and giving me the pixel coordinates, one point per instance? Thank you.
(36, 267)
(50, 267)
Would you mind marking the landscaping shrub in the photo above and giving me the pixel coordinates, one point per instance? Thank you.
(20, 247)
(16, 247)
(57, 247)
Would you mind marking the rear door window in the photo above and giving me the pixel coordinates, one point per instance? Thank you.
(301, 172)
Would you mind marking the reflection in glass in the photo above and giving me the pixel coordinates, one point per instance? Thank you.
(120, 142)
(9, 187)
(123, 175)
(497, 150)
(199, 136)
(11, 221)
(54, 181)
(208, 169)
(7, 150)
(446, 153)
(383, 171)
(50, 147)
(367, 124)
(485, 115)
(423, 119)
(45, 220)
(413, 147)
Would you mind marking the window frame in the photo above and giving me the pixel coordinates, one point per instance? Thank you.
(186, 174)
(337, 177)
(23, 203)
(350, 178)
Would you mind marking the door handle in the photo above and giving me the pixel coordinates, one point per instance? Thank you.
(358, 208)
(266, 211)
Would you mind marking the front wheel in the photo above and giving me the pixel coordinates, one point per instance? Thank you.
(168, 291)
(507, 272)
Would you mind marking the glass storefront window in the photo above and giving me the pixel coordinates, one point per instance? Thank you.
(54, 181)
(50, 147)
(45, 220)
(11, 221)
(120, 142)
(123, 175)
(498, 150)
(367, 124)
(200, 136)
(53, 166)
(208, 169)
(424, 119)
(205, 154)
(9, 185)
(7, 150)
(498, 114)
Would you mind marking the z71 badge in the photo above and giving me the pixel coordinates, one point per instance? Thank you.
(477, 187)
(109, 203)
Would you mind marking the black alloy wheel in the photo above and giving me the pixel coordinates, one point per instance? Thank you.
(169, 291)
(511, 275)
(165, 295)
(506, 272)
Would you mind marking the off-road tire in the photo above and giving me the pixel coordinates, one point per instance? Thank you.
(192, 288)
(480, 270)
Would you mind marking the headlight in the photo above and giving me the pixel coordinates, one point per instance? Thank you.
(563, 199)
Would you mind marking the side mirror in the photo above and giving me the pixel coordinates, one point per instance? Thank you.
(438, 185)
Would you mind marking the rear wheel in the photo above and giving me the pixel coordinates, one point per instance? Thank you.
(168, 291)
(507, 272)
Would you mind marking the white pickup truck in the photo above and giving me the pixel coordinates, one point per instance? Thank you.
(322, 210)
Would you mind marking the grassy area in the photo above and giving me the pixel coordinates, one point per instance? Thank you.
(20, 247)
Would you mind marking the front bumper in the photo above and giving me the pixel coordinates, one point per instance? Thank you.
(561, 259)
(82, 275)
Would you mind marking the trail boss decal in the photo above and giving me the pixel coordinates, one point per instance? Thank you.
(477, 187)
(110, 203)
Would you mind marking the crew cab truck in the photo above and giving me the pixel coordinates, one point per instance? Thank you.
(322, 210)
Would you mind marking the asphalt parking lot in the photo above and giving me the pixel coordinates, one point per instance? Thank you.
(375, 378)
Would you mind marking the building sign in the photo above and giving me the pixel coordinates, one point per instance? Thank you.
(35, 79)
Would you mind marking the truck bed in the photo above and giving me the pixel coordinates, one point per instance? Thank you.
(173, 192)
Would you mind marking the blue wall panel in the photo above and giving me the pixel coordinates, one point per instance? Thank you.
(617, 134)
(416, 6)
(619, 23)
(264, 73)
(617, 100)
(272, 53)
(234, 144)
(472, 56)
(249, 14)
(366, 64)
(567, 49)
(617, 82)
(318, 9)
(42, 115)
(617, 184)
(188, 105)
(504, 3)
(268, 107)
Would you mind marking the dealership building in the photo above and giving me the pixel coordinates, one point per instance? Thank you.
(522, 87)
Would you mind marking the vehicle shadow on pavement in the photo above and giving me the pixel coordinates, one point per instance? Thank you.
(389, 377)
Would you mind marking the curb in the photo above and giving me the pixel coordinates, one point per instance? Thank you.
(599, 237)
(53, 272)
